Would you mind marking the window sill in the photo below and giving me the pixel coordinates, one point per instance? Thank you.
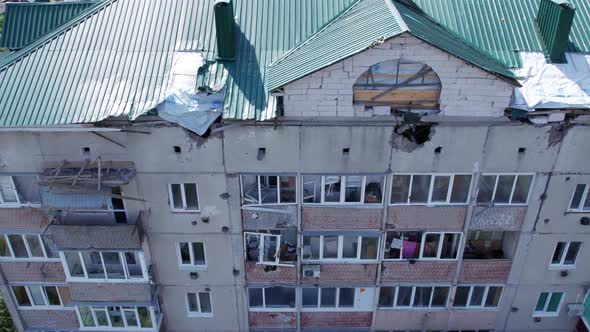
(185, 211)
(545, 315)
(110, 281)
(335, 310)
(29, 260)
(475, 309)
(429, 204)
(561, 267)
(192, 268)
(412, 309)
(46, 308)
(345, 205)
(272, 310)
(327, 262)
(199, 315)
(416, 260)
(126, 329)
(577, 212)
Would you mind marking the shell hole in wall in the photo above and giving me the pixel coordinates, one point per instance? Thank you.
(86, 150)
(346, 151)
(521, 150)
(177, 149)
(438, 150)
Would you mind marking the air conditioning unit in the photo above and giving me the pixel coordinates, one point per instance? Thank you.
(311, 271)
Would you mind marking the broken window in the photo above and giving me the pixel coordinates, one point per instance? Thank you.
(184, 197)
(403, 245)
(479, 296)
(504, 189)
(37, 296)
(109, 265)
(191, 254)
(271, 247)
(268, 189)
(421, 245)
(199, 304)
(8, 193)
(484, 245)
(343, 189)
(335, 247)
(430, 189)
(271, 297)
(118, 205)
(19, 246)
(413, 296)
(565, 254)
(128, 317)
(328, 297)
(400, 85)
(580, 200)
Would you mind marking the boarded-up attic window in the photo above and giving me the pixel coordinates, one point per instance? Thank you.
(400, 84)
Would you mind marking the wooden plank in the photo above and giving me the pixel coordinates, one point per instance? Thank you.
(396, 96)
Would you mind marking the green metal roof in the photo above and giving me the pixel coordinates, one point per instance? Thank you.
(364, 24)
(503, 27)
(25, 22)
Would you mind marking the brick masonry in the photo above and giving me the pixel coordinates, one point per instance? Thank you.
(420, 271)
(94, 237)
(340, 218)
(335, 273)
(272, 319)
(336, 319)
(419, 217)
(485, 270)
(498, 217)
(23, 219)
(33, 271)
(56, 319)
(264, 218)
(466, 90)
(110, 292)
(256, 273)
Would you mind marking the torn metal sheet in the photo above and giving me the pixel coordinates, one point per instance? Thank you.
(552, 86)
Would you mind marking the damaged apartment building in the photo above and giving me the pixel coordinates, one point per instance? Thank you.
(295, 165)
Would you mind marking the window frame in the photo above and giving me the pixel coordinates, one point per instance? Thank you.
(544, 312)
(340, 249)
(198, 313)
(261, 260)
(561, 265)
(429, 201)
(258, 182)
(122, 259)
(580, 208)
(483, 300)
(182, 266)
(185, 209)
(342, 200)
(336, 307)
(264, 308)
(497, 175)
(412, 297)
(34, 306)
(122, 309)
(4, 204)
(31, 258)
(440, 246)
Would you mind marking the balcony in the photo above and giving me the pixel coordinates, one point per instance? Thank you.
(272, 320)
(341, 273)
(418, 271)
(269, 217)
(323, 217)
(403, 217)
(498, 217)
(488, 270)
(33, 271)
(49, 319)
(336, 319)
(111, 292)
(270, 273)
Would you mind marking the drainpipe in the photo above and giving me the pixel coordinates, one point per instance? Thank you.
(225, 30)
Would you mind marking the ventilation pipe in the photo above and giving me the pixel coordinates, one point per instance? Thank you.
(224, 25)
(554, 22)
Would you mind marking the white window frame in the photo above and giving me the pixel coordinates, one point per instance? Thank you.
(10, 204)
(34, 306)
(258, 177)
(343, 178)
(402, 248)
(122, 309)
(128, 278)
(12, 257)
(561, 265)
(413, 295)
(544, 312)
(433, 176)
(191, 266)
(261, 242)
(319, 308)
(580, 207)
(183, 197)
(516, 176)
(484, 297)
(198, 313)
(264, 308)
(339, 257)
(440, 246)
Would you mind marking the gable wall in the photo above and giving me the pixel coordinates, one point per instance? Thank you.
(466, 90)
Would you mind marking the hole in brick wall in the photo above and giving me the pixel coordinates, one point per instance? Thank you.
(261, 153)
(438, 150)
(418, 134)
(177, 149)
(521, 150)
(86, 150)
(346, 151)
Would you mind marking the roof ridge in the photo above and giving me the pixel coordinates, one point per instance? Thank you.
(40, 4)
(41, 42)
(310, 38)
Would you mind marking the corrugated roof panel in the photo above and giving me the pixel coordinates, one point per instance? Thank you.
(26, 22)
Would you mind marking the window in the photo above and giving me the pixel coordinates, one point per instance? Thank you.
(25, 247)
(8, 193)
(116, 317)
(548, 304)
(184, 197)
(477, 296)
(330, 298)
(100, 265)
(37, 296)
(191, 254)
(271, 247)
(118, 205)
(436, 189)
(565, 254)
(421, 245)
(261, 298)
(340, 247)
(485, 245)
(199, 304)
(504, 189)
(343, 189)
(580, 200)
(268, 189)
(413, 297)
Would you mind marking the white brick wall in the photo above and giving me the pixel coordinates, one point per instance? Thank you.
(466, 90)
